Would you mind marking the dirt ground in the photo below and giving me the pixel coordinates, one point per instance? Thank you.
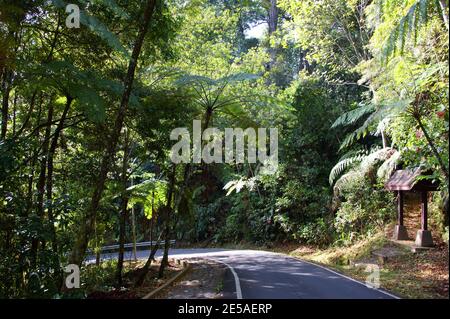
(132, 271)
(203, 281)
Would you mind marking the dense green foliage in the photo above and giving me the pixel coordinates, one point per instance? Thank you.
(356, 88)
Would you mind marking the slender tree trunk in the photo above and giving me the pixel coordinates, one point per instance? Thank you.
(122, 222)
(273, 16)
(133, 233)
(51, 156)
(272, 22)
(81, 242)
(14, 114)
(6, 89)
(123, 211)
(153, 215)
(146, 268)
(41, 182)
(168, 211)
(50, 160)
(443, 5)
(433, 147)
(29, 114)
(383, 138)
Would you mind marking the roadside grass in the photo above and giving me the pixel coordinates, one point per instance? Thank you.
(423, 275)
(411, 276)
(336, 255)
(220, 286)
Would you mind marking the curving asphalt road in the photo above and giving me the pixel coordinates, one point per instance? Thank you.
(264, 275)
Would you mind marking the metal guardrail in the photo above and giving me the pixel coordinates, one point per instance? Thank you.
(138, 245)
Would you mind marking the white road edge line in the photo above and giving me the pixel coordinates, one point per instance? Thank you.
(236, 278)
(341, 275)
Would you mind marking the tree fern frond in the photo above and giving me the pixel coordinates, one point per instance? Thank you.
(239, 77)
(383, 111)
(112, 6)
(344, 179)
(97, 27)
(344, 164)
(388, 167)
(388, 156)
(372, 160)
(416, 16)
(353, 116)
(190, 79)
(359, 133)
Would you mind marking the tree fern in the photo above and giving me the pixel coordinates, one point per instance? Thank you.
(388, 157)
(88, 88)
(382, 112)
(416, 16)
(199, 79)
(97, 27)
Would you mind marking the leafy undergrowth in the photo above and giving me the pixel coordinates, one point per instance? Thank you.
(408, 275)
(98, 281)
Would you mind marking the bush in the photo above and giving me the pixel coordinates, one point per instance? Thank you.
(364, 210)
(98, 278)
(317, 233)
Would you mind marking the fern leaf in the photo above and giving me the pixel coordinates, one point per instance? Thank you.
(353, 116)
(344, 164)
(388, 167)
(383, 111)
(416, 16)
(96, 27)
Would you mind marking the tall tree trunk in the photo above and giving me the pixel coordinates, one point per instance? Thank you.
(153, 216)
(272, 16)
(272, 21)
(443, 5)
(433, 147)
(146, 268)
(80, 246)
(168, 211)
(123, 211)
(41, 181)
(49, 190)
(133, 233)
(6, 89)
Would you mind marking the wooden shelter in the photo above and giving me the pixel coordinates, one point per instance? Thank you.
(410, 180)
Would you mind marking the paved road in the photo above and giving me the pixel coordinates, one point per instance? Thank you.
(265, 275)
